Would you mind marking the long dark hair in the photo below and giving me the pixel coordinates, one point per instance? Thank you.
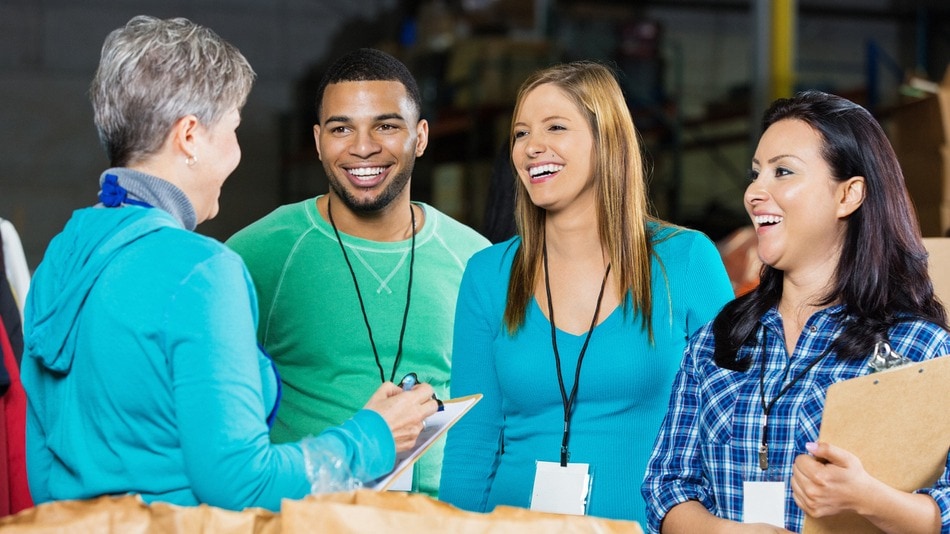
(881, 277)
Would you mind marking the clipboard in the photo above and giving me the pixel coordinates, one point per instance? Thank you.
(437, 425)
(896, 421)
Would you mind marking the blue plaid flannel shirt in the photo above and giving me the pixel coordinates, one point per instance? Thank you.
(708, 442)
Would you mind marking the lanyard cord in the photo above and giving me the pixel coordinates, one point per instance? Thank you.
(405, 314)
(767, 407)
(568, 402)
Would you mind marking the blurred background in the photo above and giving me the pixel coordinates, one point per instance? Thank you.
(697, 75)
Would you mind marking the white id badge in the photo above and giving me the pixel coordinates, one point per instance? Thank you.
(763, 502)
(403, 482)
(561, 490)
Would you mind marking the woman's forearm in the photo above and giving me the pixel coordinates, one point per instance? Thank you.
(691, 516)
(898, 512)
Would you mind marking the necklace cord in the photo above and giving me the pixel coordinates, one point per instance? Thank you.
(767, 406)
(359, 295)
(568, 402)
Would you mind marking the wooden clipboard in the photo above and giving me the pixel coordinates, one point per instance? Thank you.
(897, 422)
(437, 425)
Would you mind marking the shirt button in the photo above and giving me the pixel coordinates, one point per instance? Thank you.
(813, 329)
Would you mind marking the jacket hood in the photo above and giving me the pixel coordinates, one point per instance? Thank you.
(73, 263)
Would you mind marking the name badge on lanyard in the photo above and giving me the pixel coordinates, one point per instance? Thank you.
(564, 487)
(561, 490)
(763, 502)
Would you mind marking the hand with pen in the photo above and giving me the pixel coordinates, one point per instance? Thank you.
(404, 409)
(410, 381)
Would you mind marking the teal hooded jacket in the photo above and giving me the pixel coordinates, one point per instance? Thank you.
(143, 374)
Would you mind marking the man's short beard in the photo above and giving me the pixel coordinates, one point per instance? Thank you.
(384, 199)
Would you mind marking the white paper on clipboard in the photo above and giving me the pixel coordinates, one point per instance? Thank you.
(437, 425)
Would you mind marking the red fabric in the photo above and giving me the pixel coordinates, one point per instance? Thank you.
(14, 412)
(4, 472)
(738, 251)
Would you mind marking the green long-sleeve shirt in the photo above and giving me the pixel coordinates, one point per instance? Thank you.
(312, 325)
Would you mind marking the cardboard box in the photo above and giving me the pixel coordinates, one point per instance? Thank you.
(920, 133)
(923, 122)
(925, 174)
(917, 125)
(934, 218)
(943, 97)
(939, 266)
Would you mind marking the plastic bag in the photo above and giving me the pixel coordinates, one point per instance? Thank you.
(327, 472)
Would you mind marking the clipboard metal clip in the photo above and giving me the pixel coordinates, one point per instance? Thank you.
(885, 358)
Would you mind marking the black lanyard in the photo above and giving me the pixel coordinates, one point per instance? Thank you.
(405, 314)
(568, 402)
(767, 407)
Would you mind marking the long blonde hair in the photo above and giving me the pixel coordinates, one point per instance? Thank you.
(621, 192)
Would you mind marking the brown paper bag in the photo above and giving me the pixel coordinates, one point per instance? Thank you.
(189, 519)
(359, 511)
(128, 514)
(370, 511)
(104, 514)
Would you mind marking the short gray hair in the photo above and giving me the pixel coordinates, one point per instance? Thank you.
(153, 72)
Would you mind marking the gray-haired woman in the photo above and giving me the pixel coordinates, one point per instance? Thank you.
(141, 369)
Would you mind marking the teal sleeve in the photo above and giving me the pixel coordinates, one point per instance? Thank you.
(217, 389)
(707, 284)
(363, 443)
(263, 261)
(39, 458)
(473, 446)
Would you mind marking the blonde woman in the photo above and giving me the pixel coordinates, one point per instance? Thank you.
(574, 329)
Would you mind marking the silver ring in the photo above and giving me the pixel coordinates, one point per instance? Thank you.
(424, 425)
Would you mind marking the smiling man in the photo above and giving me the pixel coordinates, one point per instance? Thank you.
(358, 286)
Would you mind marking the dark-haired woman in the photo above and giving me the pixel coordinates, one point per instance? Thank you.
(844, 270)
